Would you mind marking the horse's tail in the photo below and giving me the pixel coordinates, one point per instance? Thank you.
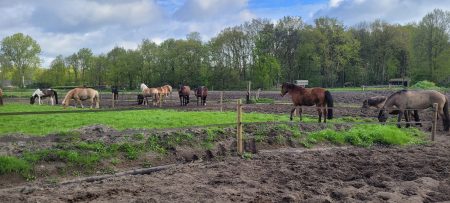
(446, 118)
(329, 100)
(56, 96)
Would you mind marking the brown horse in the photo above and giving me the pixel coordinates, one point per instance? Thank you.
(168, 89)
(184, 92)
(308, 97)
(1, 97)
(420, 99)
(201, 92)
(81, 94)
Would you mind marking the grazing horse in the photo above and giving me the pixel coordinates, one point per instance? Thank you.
(39, 94)
(378, 103)
(149, 92)
(308, 97)
(420, 99)
(1, 97)
(81, 94)
(168, 89)
(184, 92)
(201, 92)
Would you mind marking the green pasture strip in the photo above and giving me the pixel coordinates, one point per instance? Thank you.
(367, 135)
(148, 119)
(17, 107)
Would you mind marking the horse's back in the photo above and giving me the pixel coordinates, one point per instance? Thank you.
(420, 99)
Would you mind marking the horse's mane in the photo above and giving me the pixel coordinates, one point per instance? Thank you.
(68, 96)
(291, 86)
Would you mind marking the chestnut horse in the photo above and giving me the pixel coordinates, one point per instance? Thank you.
(308, 97)
(419, 99)
(201, 92)
(150, 92)
(168, 89)
(1, 97)
(184, 92)
(81, 94)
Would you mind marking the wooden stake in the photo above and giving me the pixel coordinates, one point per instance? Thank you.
(221, 101)
(113, 101)
(434, 122)
(240, 148)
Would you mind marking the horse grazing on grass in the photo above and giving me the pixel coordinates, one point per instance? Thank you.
(420, 99)
(308, 97)
(184, 92)
(201, 92)
(378, 103)
(1, 97)
(149, 92)
(81, 94)
(39, 94)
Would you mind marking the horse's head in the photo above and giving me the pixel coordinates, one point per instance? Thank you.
(382, 116)
(32, 99)
(284, 89)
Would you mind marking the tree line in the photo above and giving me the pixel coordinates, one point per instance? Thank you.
(326, 53)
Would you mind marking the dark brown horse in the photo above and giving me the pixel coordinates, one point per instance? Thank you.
(184, 92)
(201, 92)
(308, 97)
(420, 99)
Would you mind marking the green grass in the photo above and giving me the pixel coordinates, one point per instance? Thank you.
(367, 135)
(9, 164)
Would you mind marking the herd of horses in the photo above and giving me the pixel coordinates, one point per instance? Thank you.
(403, 103)
(159, 93)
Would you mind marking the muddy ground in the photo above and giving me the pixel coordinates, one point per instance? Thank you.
(349, 174)
(277, 173)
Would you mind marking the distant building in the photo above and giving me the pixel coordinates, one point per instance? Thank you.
(302, 83)
(400, 82)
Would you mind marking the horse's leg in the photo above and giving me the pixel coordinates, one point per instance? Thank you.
(204, 101)
(319, 111)
(399, 119)
(39, 99)
(324, 113)
(187, 100)
(407, 114)
(300, 113)
(292, 112)
(416, 118)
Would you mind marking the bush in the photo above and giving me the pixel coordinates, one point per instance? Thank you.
(425, 84)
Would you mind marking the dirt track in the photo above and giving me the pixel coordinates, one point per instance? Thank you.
(414, 174)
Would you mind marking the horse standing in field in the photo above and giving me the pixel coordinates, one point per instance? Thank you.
(81, 94)
(420, 99)
(168, 89)
(1, 97)
(150, 92)
(308, 97)
(184, 92)
(39, 94)
(378, 103)
(201, 92)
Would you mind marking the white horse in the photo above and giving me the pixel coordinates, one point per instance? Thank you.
(39, 94)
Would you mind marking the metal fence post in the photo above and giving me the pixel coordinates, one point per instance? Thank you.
(434, 121)
(240, 148)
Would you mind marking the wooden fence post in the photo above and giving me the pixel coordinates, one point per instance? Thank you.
(240, 148)
(221, 101)
(434, 122)
(113, 100)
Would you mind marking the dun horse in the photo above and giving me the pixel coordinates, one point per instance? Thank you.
(378, 103)
(308, 97)
(184, 92)
(149, 92)
(1, 97)
(39, 94)
(201, 92)
(81, 94)
(422, 99)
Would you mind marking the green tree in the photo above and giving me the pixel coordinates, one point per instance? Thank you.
(22, 53)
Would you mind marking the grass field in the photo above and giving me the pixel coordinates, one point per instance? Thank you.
(155, 118)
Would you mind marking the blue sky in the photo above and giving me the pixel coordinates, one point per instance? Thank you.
(65, 26)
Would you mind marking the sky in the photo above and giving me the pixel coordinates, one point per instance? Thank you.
(62, 27)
